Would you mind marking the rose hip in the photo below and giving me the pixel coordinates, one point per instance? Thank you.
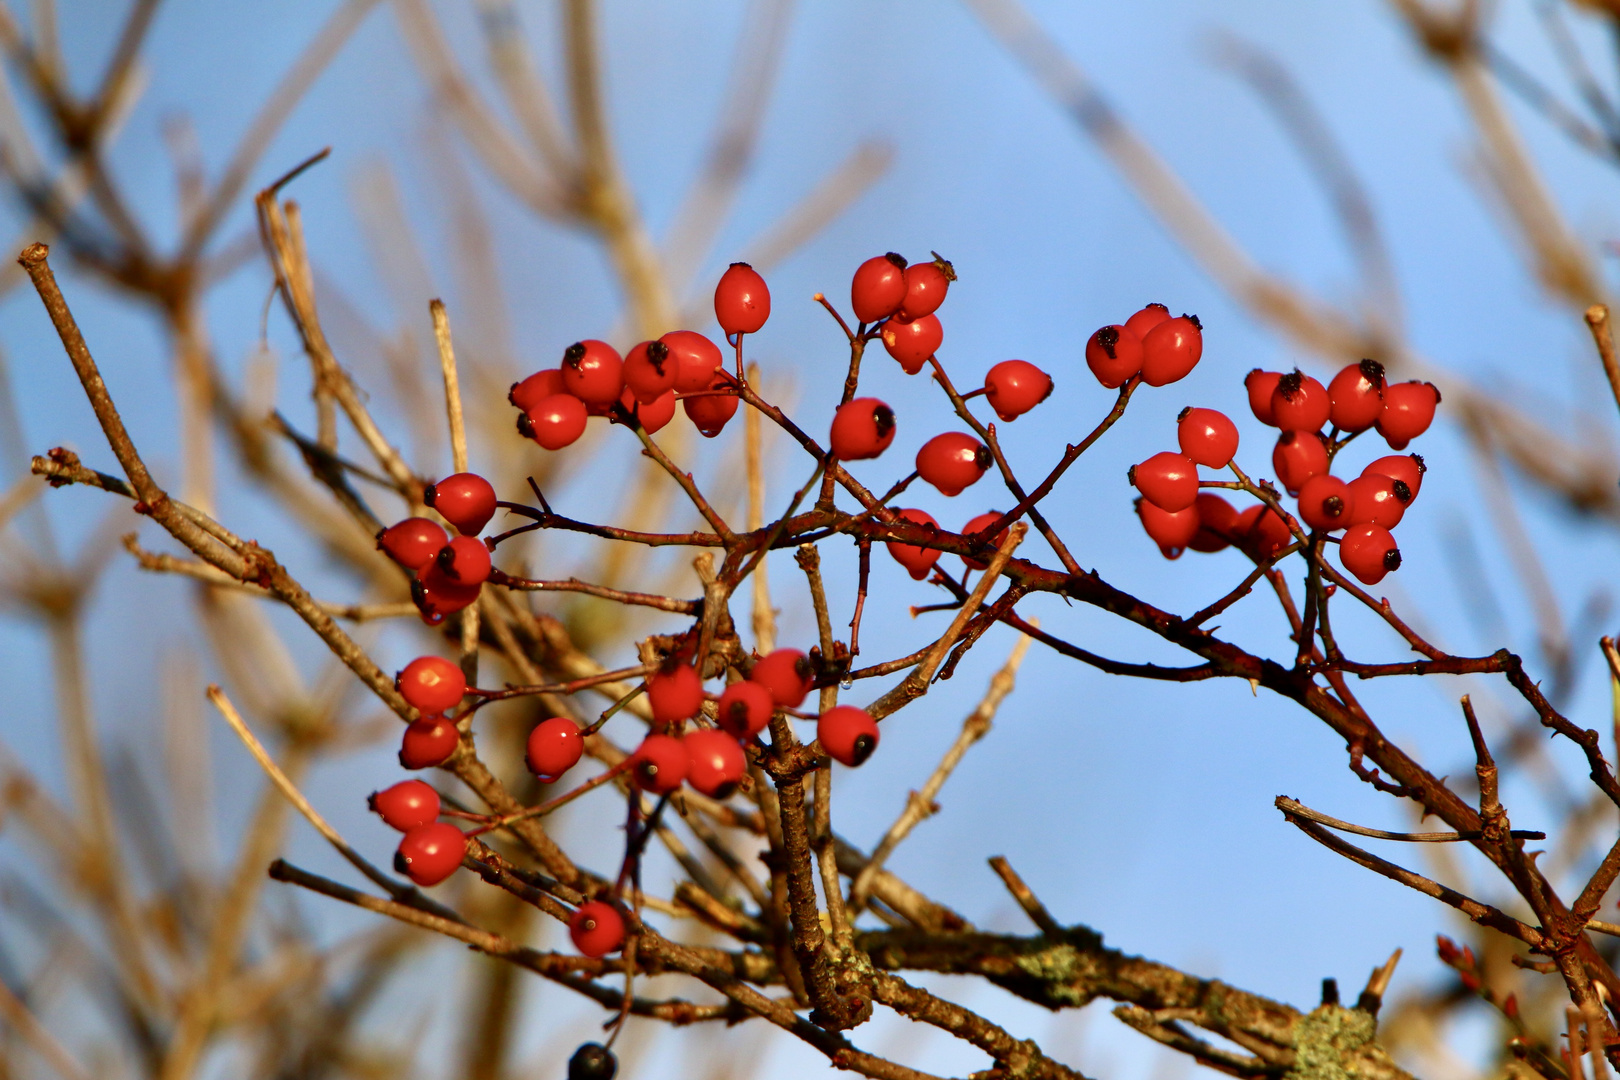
(1168, 481)
(1357, 394)
(916, 559)
(412, 543)
(1299, 455)
(1013, 387)
(953, 461)
(1171, 350)
(912, 341)
(1114, 354)
(1207, 437)
(879, 287)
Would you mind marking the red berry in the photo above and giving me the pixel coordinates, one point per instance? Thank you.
(465, 500)
(1013, 387)
(913, 341)
(1146, 319)
(593, 372)
(1407, 468)
(436, 595)
(675, 693)
(1173, 532)
(660, 764)
(879, 287)
(862, 428)
(696, 359)
(718, 762)
(654, 415)
(925, 287)
(413, 542)
(649, 370)
(406, 805)
(745, 707)
(1207, 437)
(1168, 481)
(1261, 385)
(847, 734)
(1114, 354)
(542, 384)
(555, 421)
(979, 524)
(742, 303)
(1369, 552)
(1378, 500)
(710, 412)
(786, 675)
(1171, 350)
(1408, 412)
(1299, 456)
(428, 742)
(1217, 523)
(432, 684)
(428, 854)
(917, 560)
(596, 928)
(465, 560)
(555, 746)
(1357, 393)
(1327, 503)
(1299, 403)
(953, 461)
(1261, 533)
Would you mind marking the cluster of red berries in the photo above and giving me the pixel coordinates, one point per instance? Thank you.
(1150, 345)
(643, 386)
(1177, 515)
(448, 572)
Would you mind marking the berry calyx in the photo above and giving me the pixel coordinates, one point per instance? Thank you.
(660, 764)
(847, 734)
(648, 370)
(593, 1061)
(1369, 552)
(465, 500)
(1146, 319)
(953, 461)
(1013, 387)
(1173, 532)
(916, 559)
(428, 742)
(555, 421)
(406, 805)
(542, 384)
(926, 284)
(879, 287)
(1408, 411)
(742, 303)
(1114, 354)
(1357, 394)
(430, 853)
(1168, 481)
(675, 693)
(912, 341)
(431, 684)
(1298, 456)
(862, 428)
(1261, 385)
(554, 746)
(1299, 403)
(696, 359)
(1171, 350)
(718, 763)
(1380, 500)
(786, 676)
(979, 524)
(593, 371)
(745, 707)
(712, 411)
(464, 560)
(1327, 503)
(1407, 468)
(1217, 523)
(1207, 437)
(412, 543)
(596, 929)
